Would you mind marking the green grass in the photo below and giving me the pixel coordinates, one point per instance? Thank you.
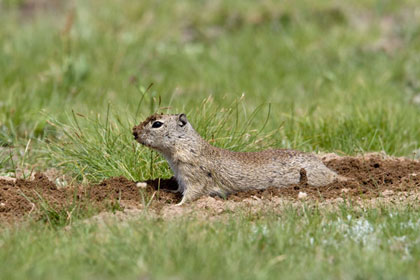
(318, 65)
(301, 243)
(98, 148)
(319, 76)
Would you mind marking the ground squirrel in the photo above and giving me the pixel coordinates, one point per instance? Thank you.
(201, 168)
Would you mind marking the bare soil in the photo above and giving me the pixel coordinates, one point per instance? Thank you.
(368, 177)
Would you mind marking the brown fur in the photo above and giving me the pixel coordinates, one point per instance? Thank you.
(201, 168)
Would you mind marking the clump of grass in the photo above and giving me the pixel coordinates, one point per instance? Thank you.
(99, 147)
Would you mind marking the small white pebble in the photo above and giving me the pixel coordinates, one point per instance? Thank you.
(2, 204)
(413, 174)
(8, 179)
(340, 200)
(302, 195)
(345, 190)
(387, 192)
(60, 182)
(142, 185)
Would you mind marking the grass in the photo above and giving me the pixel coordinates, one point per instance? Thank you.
(324, 91)
(300, 243)
(324, 76)
(96, 149)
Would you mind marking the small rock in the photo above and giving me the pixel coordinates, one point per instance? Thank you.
(302, 195)
(387, 192)
(142, 185)
(8, 179)
(2, 204)
(345, 190)
(60, 182)
(339, 200)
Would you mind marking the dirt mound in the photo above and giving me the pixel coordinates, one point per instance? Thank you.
(39, 196)
(367, 177)
(17, 198)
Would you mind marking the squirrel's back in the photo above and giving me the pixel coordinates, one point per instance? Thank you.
(201, 168)
(268, 168)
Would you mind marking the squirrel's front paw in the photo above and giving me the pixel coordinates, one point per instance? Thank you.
(188, 197)
(183, 200)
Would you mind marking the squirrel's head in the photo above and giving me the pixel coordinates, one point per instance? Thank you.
(164, 132)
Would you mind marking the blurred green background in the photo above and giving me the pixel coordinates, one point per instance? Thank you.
(319, 76)
(330, 76)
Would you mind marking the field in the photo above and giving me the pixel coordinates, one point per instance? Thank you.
(329, 77)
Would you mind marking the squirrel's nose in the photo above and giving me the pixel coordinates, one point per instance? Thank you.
(135, 134)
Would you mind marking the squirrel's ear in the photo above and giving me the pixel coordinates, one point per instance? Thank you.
(182, 120)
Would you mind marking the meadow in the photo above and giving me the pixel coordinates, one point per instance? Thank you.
(318, 76)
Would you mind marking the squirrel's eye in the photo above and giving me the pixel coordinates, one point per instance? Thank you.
(156, 124)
